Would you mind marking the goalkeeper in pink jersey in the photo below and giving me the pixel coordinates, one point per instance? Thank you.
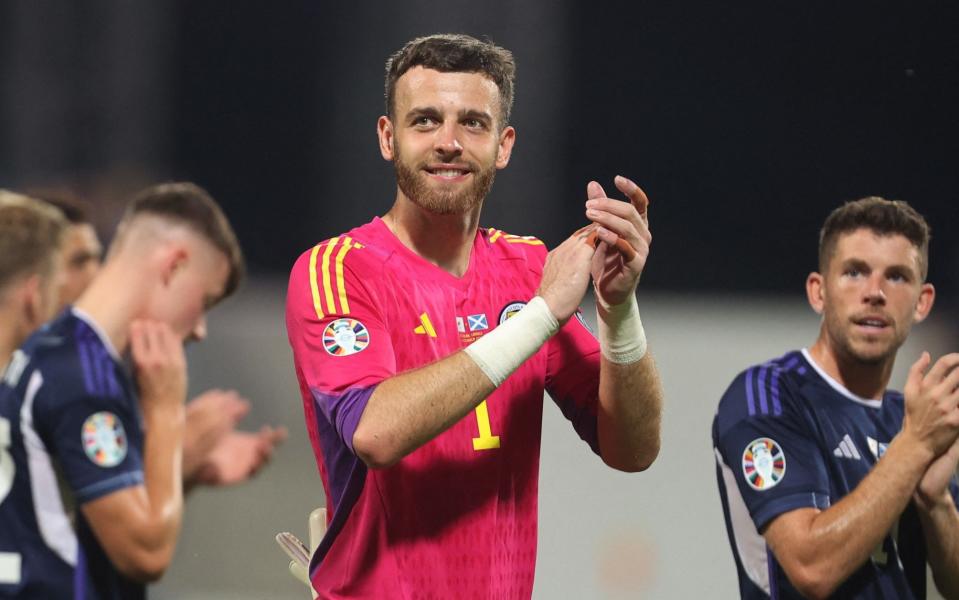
(423, 345)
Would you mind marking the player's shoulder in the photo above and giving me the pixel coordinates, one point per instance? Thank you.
(767, 389)
(511, 246)
(360, 250)
(68, 356)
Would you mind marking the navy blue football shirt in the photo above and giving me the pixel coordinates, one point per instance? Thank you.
(788, 436)
(70, 432)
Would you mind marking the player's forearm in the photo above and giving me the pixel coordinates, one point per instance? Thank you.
(163, 478)
(408, 410)
(822, 554)
(630, 413)
(940, 525)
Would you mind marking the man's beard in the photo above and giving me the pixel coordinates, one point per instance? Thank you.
(413, 184)
(862, 353)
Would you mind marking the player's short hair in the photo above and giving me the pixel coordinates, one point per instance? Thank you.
(881, 216)
(190, 205)
(455, 53)
(31, 233)
(73, 208)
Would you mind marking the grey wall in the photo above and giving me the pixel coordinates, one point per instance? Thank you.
(603, 534)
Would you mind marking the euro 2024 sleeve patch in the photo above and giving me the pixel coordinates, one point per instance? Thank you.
(764, 464)
(343, 337)
(104, 440)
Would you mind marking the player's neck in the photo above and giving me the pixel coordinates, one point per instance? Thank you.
(444, 240)
(866, 380)
(9, 337)
(112, 300)
(14, 329)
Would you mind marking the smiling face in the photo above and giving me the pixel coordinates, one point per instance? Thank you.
(447, 140)
(870, 295)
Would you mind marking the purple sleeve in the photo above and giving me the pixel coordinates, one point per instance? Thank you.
(343, 410)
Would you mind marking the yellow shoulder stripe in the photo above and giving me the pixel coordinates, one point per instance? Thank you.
(509, 238)
(325, 276)
(314, 288)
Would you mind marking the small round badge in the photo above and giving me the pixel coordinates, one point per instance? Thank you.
(764, 464)
(343, 337)
(104, 440)
(509, 310)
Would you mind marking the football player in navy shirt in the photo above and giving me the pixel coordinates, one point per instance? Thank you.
(832, 485)
(92, 414)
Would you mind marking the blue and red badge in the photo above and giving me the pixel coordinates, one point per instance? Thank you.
(343, 337)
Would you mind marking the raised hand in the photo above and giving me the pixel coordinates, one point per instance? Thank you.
(615, 273)
(159, 363)
(209, 417)
(239, 455)
(932, 403)
(566, 275)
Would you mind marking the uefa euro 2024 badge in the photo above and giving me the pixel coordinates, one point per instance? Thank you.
(764, 464)
(104, 440)
(343, 337)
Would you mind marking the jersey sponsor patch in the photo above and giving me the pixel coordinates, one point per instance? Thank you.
(104, 440)
(343, 337)
(509, 310)
(764, 464)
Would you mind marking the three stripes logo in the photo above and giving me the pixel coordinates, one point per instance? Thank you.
(847, 449)
(425, 327)
(327, 283)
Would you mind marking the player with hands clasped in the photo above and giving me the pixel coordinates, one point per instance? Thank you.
(215, 451)
(91, 497)
(423, 345)
(832, 485)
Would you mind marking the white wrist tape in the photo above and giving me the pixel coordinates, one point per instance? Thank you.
(503, 350)
(622, 339)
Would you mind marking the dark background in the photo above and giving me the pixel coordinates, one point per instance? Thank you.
(746, 123)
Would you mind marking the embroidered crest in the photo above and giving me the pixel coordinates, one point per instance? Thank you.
(509, 310)
(104, 440)
(343, 337)
(764, 464)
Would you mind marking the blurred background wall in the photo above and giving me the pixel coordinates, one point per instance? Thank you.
(746, 125)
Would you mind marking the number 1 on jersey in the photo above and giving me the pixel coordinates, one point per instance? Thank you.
(486, 439)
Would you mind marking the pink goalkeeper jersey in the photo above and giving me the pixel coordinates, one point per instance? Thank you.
(457, 517)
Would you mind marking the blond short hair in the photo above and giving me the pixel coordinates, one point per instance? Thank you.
(31, 233)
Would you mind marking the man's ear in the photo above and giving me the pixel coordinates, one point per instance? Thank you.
(507, 138)
(927, 297)
(384, 132)
(30, 297)
(173, 257)
(816, 292)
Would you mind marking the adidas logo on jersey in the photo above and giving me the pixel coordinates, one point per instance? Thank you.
(847, 449)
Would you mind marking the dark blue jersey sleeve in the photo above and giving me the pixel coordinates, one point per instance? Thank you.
(764, 442)
(94, 435)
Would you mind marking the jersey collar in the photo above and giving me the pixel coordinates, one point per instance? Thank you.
(838, 386)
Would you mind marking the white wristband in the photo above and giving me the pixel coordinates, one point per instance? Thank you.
(503, 350)
(621, 336)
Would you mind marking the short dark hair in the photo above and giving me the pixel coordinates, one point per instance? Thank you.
(189, 204)
(881, 216)
(73, 208)
(31, 232)
(455, 53)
